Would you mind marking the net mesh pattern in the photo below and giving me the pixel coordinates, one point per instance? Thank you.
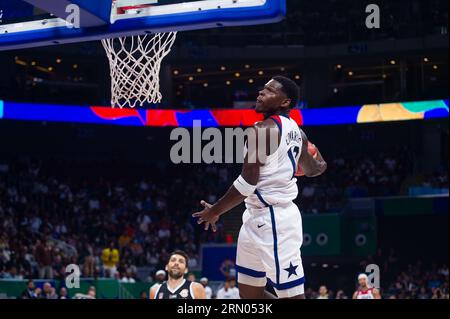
(135, 64)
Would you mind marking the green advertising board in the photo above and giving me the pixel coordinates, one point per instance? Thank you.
(321, 235)
(359, 235)
(105, 288)
(336, 235)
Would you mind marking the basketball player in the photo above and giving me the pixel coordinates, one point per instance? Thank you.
(229, 290)
(271, 235)
(365, 291)
(160, 277)
(176, 287)
(208, 291)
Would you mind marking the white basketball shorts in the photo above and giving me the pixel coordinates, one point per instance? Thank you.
(268, 249)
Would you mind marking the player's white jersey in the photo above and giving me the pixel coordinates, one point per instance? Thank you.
(368, 294)
(208, 292)
(231, 293)
(277, 183)
(268, 249)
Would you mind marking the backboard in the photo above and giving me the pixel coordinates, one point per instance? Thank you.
(32, 23)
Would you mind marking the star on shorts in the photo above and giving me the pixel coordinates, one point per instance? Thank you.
(292, 270)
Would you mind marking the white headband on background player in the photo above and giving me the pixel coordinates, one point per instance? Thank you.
(362, 276)
(160, 272)
(243, 187)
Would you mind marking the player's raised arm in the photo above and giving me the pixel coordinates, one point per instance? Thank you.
(312, 165)
(245, 184)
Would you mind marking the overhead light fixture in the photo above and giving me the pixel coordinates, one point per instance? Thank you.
(40, 68)
(20, 62)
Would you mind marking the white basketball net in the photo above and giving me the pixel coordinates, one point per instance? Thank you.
(135, 63)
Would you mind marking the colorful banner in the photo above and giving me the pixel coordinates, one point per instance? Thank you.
(223, 117)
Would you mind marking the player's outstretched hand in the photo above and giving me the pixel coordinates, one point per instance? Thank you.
(207, 216)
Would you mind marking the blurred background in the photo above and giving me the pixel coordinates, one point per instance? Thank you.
(68, 191)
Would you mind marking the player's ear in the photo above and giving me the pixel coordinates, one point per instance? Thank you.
(167, 269)
(286, 104)
(186, 271)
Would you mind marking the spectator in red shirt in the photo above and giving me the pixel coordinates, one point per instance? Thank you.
(44, 257)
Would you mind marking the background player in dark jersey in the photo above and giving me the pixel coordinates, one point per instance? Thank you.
(176, 287)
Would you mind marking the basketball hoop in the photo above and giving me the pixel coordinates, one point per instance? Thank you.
(135, 60)
(135, 63)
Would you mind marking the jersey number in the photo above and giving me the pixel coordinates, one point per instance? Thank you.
(294, 155)
(296, 152)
